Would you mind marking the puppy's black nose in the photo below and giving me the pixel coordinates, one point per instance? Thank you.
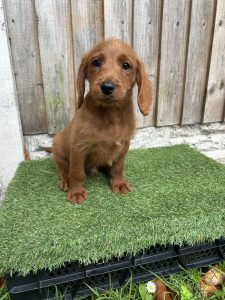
(107, 87)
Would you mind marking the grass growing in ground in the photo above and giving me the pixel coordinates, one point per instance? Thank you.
(189, 280)
(4, 295)
(181, 286)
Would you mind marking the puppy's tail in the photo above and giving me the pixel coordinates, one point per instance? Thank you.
(47, 149)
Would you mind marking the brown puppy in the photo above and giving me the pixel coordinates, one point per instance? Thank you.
(99, 135)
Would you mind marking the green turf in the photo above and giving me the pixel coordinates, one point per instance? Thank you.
(178, 196)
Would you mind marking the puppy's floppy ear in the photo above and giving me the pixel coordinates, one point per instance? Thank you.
(144, 89)
(81, 76)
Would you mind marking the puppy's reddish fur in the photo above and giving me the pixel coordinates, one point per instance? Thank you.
(99, 135)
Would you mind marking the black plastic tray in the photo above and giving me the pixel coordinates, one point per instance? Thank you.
(73, 279)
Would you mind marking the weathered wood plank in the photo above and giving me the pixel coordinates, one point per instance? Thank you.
(118, 19)
(87, 18)
(11, 142)
(118, 24)
(197, 62)
(146, 35)
(26, 63)
(172, 65)
(55, 40)
(62, 48)
(214, 105)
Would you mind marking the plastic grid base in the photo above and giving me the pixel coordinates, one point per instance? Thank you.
(73, 279)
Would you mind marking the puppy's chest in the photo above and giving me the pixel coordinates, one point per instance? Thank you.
(110, 143)
(105, 153)
(115, 134)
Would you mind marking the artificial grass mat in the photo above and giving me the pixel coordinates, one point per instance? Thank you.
(178, 196)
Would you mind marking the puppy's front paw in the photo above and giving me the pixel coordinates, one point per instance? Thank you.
(120, 186)
(77, 195)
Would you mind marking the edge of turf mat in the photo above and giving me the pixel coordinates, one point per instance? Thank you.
(178, 197)
(74, 280)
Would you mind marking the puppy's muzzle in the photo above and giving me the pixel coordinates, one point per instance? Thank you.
(107, 87)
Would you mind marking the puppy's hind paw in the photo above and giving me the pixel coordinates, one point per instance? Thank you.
(64, 185)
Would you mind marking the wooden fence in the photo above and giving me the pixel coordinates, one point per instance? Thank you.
(182, 43)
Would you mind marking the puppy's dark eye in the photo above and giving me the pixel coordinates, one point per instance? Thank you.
(96, 63)
(125, 65)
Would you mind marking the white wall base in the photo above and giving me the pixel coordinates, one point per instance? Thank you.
(11, 143)
(209, 139)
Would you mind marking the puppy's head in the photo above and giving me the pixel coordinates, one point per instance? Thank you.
(112, 68)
